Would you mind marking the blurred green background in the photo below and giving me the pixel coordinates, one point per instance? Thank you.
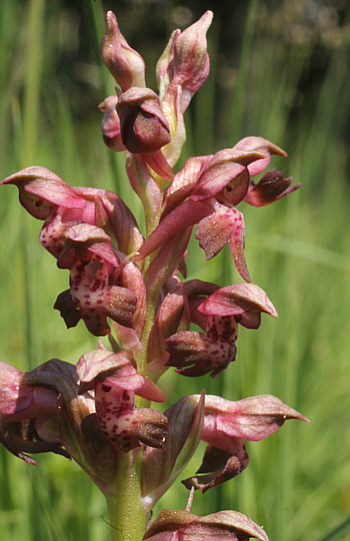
(280, 70)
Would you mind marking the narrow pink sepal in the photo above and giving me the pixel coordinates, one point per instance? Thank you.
(184, 216)
(159, 164)
(167, 260)
(131, 278)
(114, 215)
(171, 107)
(170, 315)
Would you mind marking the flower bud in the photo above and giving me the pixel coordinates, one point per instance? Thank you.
(191, 60)
(94, 294)
(144, 128)
(185, 62)
(124, 63)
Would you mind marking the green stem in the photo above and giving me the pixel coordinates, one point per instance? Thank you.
(128, 518)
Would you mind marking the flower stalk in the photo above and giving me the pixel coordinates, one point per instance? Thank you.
(127, 521)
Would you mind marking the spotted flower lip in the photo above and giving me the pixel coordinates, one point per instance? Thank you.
(196, 354)
(176, 312)
(94, 294)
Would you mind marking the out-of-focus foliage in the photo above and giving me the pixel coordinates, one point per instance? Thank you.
(280, 70)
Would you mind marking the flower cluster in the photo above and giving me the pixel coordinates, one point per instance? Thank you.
(130, 288)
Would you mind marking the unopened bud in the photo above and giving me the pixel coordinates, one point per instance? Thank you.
(191, 60)
(124, 63)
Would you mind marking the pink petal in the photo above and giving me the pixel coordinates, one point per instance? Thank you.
(121, 222)
(221, 170)
(251, 419)
(45, 189)
(245, 300)
(98, 361)
(258, 144)
(183, 183)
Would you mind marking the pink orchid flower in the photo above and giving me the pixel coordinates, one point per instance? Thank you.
(47, 197)
(227, 425)
(116, 381)
(94, 293)
(29, 404)
(206, 192)
(194, 353)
